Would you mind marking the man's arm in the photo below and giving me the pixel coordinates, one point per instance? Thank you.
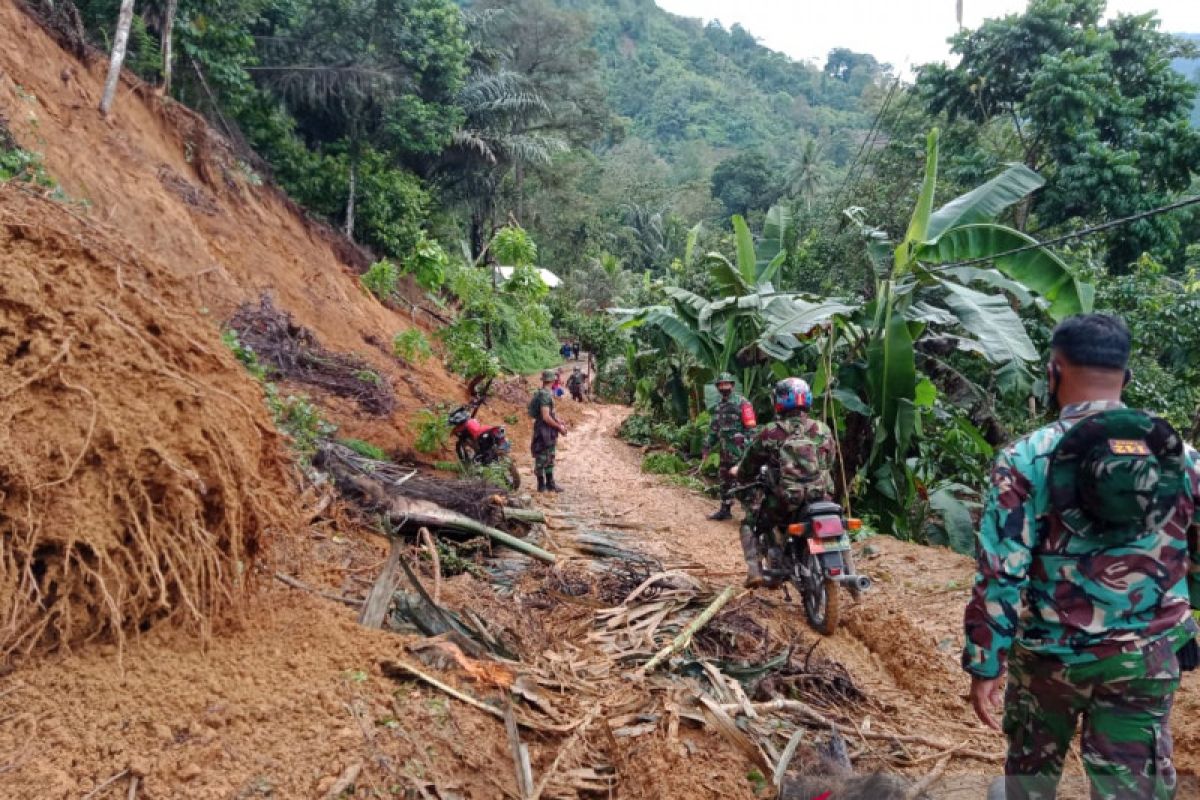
(548, 418)
(1193, 532)
(1007, 536)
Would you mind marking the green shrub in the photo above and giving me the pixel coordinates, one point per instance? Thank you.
(432, 431)
(663, 464)
(299, 418)
(244, 354)
(465, 352)
(687, 482)
(368, 376)
(411, 347)
(381, 280)
(427, 264)
(365, 449)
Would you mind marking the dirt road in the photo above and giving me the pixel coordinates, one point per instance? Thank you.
(901, 643)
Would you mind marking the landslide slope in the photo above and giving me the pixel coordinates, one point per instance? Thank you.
(156, 171)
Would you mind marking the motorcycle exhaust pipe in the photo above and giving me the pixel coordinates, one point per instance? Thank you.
(860, 582)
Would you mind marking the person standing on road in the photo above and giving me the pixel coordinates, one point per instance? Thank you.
(546, 430)
(732, 425)
(1087, 571)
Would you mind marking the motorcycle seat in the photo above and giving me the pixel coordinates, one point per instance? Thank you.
(822, 508)
(475, 427)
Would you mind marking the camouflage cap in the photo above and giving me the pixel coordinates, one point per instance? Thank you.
(1117, 475)
(724, 377)
(548, 375)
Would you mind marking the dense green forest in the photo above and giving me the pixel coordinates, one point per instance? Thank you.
(713, 205)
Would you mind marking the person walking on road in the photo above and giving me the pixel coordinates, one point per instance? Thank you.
(732, 425)
(575, 384)
(546, 430)
(1087, 573)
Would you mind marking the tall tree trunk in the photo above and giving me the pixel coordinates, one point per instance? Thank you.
(519, 185)
(350, 198)
(120, 43)
(167, 31)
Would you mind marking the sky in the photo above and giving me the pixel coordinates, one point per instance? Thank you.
(903, 33)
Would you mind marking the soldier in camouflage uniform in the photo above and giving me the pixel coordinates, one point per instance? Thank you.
(731, 427)
(1087, 558)
(546, 430)
(798, 452)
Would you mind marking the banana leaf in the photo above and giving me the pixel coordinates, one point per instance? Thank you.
(984, 203)
(1039, 269)
(992, 322)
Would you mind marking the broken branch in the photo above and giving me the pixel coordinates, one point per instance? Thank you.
(685, 636)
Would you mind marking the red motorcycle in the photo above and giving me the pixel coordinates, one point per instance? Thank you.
(479, 444)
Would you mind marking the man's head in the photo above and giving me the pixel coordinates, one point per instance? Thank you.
(576, 370)
(724, 384)
(548, 376)
(1089, 358)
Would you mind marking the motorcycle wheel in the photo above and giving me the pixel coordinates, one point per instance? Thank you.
(465, 450)
(822, 597)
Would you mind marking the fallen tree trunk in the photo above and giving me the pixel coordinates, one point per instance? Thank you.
(404, 511)
(522, 514)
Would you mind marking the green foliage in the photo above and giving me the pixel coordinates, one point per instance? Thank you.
(244, 354)
(432, 431)
(22, 166)
(663, 464)
(746, 182)
(1092, 104)
(427, 264)
(365, 449)
(1161, 311)
(466, 353)
(382, 279)
(513, 247)
(411, 346)
(300, 419)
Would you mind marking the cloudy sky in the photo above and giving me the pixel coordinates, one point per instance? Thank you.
(899, 32)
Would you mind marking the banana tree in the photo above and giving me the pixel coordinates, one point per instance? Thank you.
(924, 289)
(736, 332)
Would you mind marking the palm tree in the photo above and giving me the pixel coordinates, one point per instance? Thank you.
(805, 173)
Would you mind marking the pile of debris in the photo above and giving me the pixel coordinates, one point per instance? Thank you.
(288, 350)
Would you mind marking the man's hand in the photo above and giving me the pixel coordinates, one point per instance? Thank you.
(987, 698)
(733, 472)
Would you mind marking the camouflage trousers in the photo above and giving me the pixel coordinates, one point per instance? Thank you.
(1124, 702)
(727, 480)
(763, 513)
(543, 449)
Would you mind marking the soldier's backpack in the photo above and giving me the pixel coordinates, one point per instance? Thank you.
(1117, 475)
(534, 409)
(804, 470)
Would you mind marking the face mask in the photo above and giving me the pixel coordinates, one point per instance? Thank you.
(725, 392)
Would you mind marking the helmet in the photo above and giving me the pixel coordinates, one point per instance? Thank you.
(577, 369)
(792, 394)
(548, 375)
(724, 377)
(458, 416)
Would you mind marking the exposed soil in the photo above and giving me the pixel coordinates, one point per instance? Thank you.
(120, 407)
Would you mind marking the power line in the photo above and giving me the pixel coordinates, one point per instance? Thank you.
(1079, 234)
(887, 100)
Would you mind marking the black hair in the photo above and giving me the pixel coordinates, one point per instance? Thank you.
(1093, 340)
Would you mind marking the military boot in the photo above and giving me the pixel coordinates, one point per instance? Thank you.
(754, 576)
(722, 513)
(551, 486)
(541, 479)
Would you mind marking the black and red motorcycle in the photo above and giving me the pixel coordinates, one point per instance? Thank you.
(481, 445)
(815, 558)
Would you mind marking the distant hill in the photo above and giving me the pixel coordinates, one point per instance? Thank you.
(1191, 68)
(686, 86)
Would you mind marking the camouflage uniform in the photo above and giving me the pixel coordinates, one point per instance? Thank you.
(575, 385)
(799, 451)
(728, 432)
(545, 437)
(1090, 628)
